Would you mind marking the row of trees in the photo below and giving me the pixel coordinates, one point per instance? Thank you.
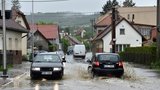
(114, 3)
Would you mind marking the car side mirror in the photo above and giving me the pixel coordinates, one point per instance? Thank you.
(63, 60)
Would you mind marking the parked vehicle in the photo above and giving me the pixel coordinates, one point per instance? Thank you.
(48, 65)
(70, 50)
(61, 54)
(79, 50)
(106, 64)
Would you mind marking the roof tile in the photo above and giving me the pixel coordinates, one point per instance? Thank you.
(48, 31)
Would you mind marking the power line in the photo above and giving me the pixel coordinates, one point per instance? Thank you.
(42, 0)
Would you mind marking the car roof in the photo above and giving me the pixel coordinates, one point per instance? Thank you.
(106, 53)
(48, 53)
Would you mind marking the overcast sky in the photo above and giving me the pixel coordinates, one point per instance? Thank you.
(88, 6)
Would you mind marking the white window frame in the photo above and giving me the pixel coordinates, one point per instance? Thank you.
(120, 31)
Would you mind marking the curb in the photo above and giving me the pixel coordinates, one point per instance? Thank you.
(12, 79)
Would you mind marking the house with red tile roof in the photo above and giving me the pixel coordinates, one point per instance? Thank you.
(49, 32)
(126, 36)
(144, 29)
(103, 22)
(40, 42)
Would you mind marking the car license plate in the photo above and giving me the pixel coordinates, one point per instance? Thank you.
(46, 73)
(109, 66)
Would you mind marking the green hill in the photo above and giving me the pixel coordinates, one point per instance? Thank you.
(63, 18)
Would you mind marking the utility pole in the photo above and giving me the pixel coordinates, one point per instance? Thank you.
(4, 41)
(113, 30)
(92, 24)
(158, 29)
(32, 32)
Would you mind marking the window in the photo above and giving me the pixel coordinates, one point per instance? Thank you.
(10, 44)
(16, 44)
(121, 47)
(128, 16)
(122, 31)
(133, 17)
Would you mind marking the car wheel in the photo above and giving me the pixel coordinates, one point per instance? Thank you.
(89, 69)
(32, 76)
(119, 76)
(92, 75)
(61, 75)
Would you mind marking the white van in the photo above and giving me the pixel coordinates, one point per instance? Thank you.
(79, 50)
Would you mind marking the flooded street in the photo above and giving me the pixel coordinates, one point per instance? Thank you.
(76, 77)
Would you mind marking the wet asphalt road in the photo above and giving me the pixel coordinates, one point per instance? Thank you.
(76, 77)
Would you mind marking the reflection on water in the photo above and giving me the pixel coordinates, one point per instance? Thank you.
(56, 86)
(43, 84)
(37, 87)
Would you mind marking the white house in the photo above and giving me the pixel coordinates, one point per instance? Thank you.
(13, 41)
(126, 36)
(20, 18)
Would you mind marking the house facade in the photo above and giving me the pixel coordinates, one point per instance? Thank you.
(13, 41)
(20, 18)
(126, 36)
(142, 15)
(80, 32)
(145, 30)
(40, 42)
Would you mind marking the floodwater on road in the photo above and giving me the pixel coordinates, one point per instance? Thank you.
(76, 77)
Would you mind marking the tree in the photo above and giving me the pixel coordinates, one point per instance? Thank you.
(65, 44)
(108, 6)
(41, 22)
(16, 4)
(128, 3)
(67, 29)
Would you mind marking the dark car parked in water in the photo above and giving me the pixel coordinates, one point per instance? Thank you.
(47, 65)
(106, 64)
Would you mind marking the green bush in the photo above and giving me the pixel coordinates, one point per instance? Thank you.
(155, 65)
(65, 44)
(8, 67)
(140, 55)
(52, 47)
(24, 58)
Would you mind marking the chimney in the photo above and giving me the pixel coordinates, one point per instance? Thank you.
(8, 5)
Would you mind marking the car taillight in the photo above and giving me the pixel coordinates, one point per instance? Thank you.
(120, 64)
(96, 63)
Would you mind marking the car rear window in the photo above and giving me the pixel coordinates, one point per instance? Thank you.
(47, 58)
(108, 57)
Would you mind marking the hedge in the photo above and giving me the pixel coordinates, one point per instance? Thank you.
(140, 55)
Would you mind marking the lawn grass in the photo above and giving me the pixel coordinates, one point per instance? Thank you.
(8, 67)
